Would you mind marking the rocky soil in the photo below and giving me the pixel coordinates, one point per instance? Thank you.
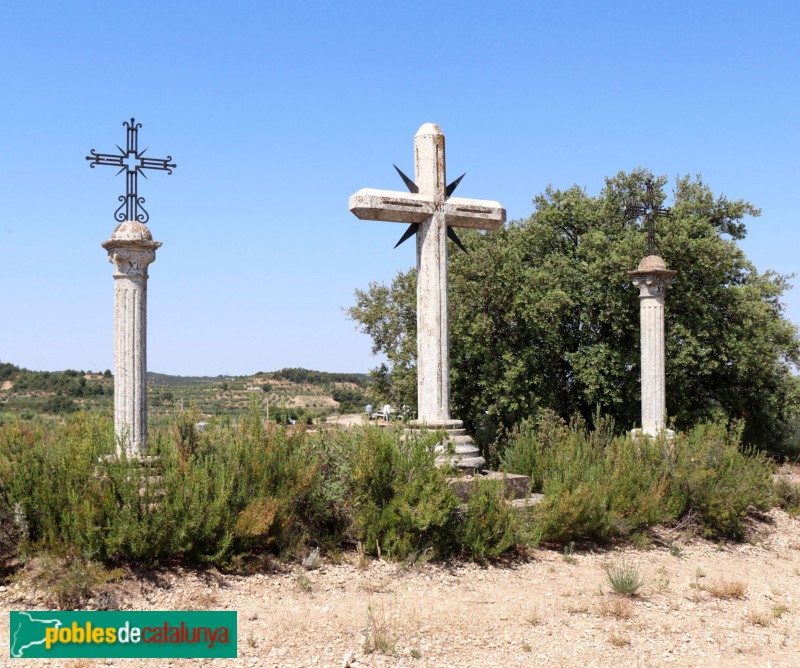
(701, 604)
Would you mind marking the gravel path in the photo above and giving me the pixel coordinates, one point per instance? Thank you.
(548, 610)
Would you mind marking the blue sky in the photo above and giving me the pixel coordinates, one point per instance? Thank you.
(277, 112)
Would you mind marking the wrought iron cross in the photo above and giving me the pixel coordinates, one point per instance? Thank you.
(649, 210)
(131, 161)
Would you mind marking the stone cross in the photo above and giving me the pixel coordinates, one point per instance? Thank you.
(431, 211)
(652, 278)
(131, 250)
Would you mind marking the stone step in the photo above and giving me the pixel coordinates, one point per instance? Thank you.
(516, 486)
(527, 502)
(433, 425)
(450, 432)
(151, 481)
(157, 492)
(465, 463)
(463, 455)
(457, 449)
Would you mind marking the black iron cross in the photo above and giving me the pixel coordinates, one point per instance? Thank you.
(649, 210)
(131, 161)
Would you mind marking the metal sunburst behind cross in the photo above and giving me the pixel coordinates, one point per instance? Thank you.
(132, 160)
(413, 228)
(649, 211)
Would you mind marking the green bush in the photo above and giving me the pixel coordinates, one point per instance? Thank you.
(787, 495)
(717, 479)
(234, 489)
(599, 487)
(252, 489)
(490, 526)
(624, 577)
(402, 503)
(595, 485)
(242, 487)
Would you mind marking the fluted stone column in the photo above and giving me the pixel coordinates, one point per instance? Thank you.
(652, 278)
(131, 250)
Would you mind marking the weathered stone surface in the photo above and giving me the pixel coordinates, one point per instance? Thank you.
(652, 278)
(456, 448)
(516, 486)
(131, 250)
(433, 210)
(527, 502)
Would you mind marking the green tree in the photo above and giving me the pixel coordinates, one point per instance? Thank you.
(544, 315)
(389, 316)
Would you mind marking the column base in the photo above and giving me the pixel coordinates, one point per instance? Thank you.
(456, 448)
(666, 434)
(145, 470)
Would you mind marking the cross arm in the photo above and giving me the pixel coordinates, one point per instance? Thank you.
(477, 214)
(105, 159)
(158, 163)
(390, 206)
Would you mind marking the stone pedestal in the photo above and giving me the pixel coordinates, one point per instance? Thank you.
(652, 278)
(456, 448)
(131, 250)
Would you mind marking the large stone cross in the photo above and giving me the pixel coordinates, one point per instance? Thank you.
(431, 211)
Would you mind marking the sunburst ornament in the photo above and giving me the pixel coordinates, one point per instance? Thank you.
(413, 228)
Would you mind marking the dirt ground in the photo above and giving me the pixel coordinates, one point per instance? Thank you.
(702, 604)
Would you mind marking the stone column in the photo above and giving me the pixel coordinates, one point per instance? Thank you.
(131, 250)
(433, 318)
(433, 330)
(652, 278)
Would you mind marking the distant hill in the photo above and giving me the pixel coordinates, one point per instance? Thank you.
(295, 375)
(295, 393)
(166, 380)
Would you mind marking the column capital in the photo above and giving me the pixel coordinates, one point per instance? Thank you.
(131, 249)
(652, 277)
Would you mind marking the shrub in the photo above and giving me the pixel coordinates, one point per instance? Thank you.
(595, 485)
(241, 487)
(624, 577)
(716, 478)
(253, 489)
(490, 525)
(787, 495)
(402, 503)
(598, 486)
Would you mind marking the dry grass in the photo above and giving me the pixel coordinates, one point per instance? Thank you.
(618, 608)
(363, 562)
(376, 586)
(725, 589)
(535, 619)
(303, 582)
(379, 635)
(618, 640)
(758, 618)
(203, 600)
